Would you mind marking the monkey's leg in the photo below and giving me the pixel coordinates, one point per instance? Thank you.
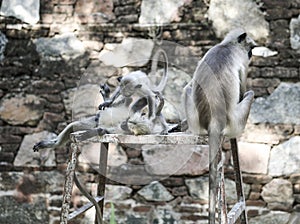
(164, 125)
(138, 105)
(60, 140)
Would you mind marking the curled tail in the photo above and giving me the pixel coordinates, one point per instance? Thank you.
(162, 84)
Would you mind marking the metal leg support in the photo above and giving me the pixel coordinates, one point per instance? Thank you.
(69, 184)
(102, 175)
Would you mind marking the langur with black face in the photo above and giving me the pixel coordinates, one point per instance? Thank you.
(215, 101)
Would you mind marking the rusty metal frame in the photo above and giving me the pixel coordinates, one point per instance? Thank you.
(237, 213)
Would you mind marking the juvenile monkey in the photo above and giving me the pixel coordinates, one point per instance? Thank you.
(139, 83)
(212, 99)
(140, 124)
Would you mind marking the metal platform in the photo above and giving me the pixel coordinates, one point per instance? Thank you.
(236, 213)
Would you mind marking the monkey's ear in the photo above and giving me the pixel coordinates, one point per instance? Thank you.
(119, 78)
(242, 37)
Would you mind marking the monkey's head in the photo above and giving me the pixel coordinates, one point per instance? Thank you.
(241, 38)
(139, 124)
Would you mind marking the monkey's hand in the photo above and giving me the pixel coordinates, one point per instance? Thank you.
(44, 144)
(105, 104)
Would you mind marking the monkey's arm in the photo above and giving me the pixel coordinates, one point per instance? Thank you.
(243, 83)
(64, 136)
(109, 102)
(60, 140)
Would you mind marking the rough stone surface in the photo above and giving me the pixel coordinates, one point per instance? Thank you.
(65, 46)
(21, 110)
(261, 133)
(177, 80)
(9, 180)
(155, 192)
(160, 11)
(285, 158)
(294, 218)
(198, 187)
(230, 190)
(26, 156)
(295, 33)
(91, 11)
(114, 193)
(165, 215)
(90, 154)
(49, 181)
(3, 42)
(82, 101)
(130, 174)
(12, 211)
(273, 217)
(250, 152)
(131, 52)
(282, 106)
(175, 159)
(227, 15)
(28, 11)
(278, 192)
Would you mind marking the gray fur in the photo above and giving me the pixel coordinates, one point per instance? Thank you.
(110, 120)
(212, 98)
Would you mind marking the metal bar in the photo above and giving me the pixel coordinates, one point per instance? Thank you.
(102, 175)
(235, 212)
(170, 139)
(84, 208)
(221, 191)
(69, 184)
(213, 186)
(238, 178)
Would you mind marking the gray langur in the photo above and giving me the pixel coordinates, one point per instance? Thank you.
(117, 119)
(140, 124)
(215, 101)
(138, 83)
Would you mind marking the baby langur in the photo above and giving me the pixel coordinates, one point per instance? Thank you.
(139, 84)
(139, 124)
(215, 101)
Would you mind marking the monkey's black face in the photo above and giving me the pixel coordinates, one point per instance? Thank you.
(250, 52)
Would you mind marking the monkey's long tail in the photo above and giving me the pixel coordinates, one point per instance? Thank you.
(215, 142)
(162, 84)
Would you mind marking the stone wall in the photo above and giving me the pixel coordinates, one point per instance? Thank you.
(50, 72)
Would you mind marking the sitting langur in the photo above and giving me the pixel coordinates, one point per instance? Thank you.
(215, 101)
